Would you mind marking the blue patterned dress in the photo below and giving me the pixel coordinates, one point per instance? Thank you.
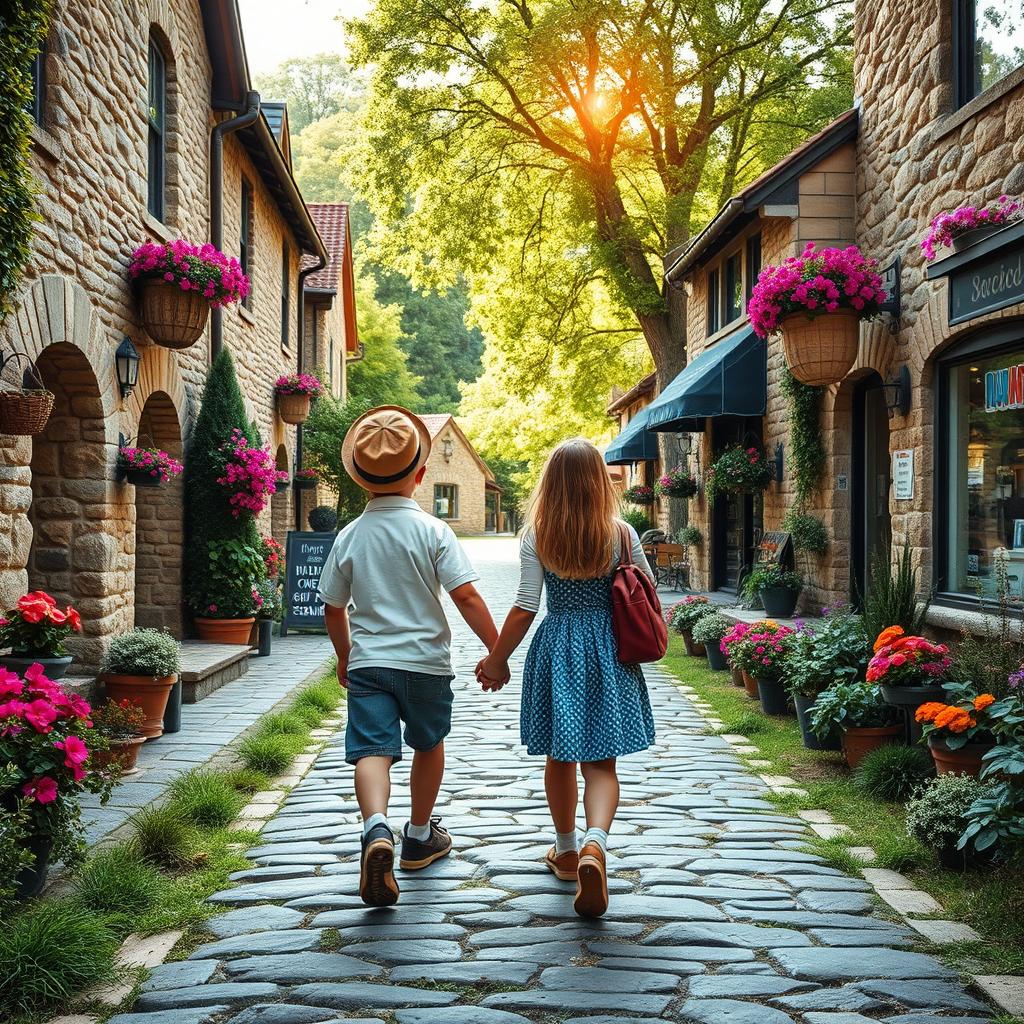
(579, 702)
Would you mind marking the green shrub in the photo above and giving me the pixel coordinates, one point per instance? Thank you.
(748, 725)
(324, 696)
(118, 883)
(894, 773)
(937, 816)
(690, 536)
(709, 629)
(310, 716)
(50, 951)
(892, 598)
(637, 518)
(271, 754)
(206, 798)
(323, 518)
(899, 853)
(282, 723)
(246, 780)
(163, 836)
(143, 652)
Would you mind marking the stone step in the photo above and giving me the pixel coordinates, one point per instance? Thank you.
(207, 667)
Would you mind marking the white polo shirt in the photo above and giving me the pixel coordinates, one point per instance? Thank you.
(388, 567)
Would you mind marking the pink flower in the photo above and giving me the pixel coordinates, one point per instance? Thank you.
(43, 790)
(41, 715)
(10, 684)
(75, 751)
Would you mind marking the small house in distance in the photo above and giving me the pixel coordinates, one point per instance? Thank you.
(459, 486)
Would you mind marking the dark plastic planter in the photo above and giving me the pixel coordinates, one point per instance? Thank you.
(908, 699)
(774, 699)
(803, 707)
(716, 659)
(142, 478)
(304, 483)
(30, 880)
(172, 714)
(779, 602)
(265, 633)
(55, 668)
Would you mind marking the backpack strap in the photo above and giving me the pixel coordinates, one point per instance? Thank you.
(625, 544)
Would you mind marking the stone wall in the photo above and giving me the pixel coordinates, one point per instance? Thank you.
(464, 471)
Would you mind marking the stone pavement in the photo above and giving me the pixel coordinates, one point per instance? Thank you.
(208, 727)
(719, 914)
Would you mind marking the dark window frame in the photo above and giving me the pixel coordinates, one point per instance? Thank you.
(714, 312)
(967, 83)
(752, 264)
(37, 71)
(732, 280)
(286, 295)
(719, 313)
(156, 122)
(245, 237)
(993, 341)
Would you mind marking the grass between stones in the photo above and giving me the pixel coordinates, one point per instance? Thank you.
(991, 901)
(178, 853)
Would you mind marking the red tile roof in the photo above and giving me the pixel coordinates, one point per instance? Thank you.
(331, 220)
(435, 421)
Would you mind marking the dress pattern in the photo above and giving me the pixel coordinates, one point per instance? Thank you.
(579, 702)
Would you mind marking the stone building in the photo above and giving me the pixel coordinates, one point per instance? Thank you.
(132, 106)
(458, 486)
(936, 125)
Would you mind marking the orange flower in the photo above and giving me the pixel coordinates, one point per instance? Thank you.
(927, 712)
(947, 716)
(887, 636)
(983, 700)
(962, 723)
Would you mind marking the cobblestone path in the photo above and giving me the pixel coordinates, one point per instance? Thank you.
(719, 914)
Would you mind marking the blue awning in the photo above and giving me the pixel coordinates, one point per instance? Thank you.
(634, 444)
(728, 379)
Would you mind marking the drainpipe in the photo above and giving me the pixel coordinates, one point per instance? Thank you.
(303, 274)
(222, 128)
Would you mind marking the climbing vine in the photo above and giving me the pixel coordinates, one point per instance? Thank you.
(807, 449)
(23, 26)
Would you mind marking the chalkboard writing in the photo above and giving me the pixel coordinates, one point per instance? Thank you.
(305, 555)
(773, 547)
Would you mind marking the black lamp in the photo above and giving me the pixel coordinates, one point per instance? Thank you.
(897, 392)
(127, 361)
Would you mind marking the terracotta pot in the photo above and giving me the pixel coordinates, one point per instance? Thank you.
(172, 318)
(750, 685)
(858, 742)
(55, 668)
(965, 761)
(225, 631)
(821, 350)
(737, 676)
(693, 649)
(149, 692)
(123, 753)
(294, 408)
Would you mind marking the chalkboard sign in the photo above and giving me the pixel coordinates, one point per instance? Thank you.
(305, 557)
(772, 547)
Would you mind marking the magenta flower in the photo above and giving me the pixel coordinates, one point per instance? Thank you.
(43, 790)
(948, 225)
(202, 268)
(75, 751)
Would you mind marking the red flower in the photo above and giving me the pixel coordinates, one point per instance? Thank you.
(74, 619)
(75, 751)
(57, 616)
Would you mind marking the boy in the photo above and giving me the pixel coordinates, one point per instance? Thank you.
(393, 642)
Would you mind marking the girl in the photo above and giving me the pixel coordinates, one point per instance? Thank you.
(579, 704)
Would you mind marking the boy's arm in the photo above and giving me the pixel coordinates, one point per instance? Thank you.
(476, 613)
(336, 621)
(494, 668)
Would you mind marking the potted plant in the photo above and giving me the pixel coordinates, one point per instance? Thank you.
(966, 225)
(778, 588)
(958, 734)
(676, 483)
(708, 631)
(142, 666)
(45, 737)
(35, 631)
(939, 816)
(818, 299)
(323, 519)
(117, 725)
(639, 494)
(273, 556)
(179, 283)
(728, 647)
(834, 650)
(306, 479)
(146, 467)
(766, 645)
(684, 618)
(737, 468)
(910, 670)
(862, 716)
(295, 393)
(226, 600)
(249, 473)
(638, 518)
(690, 537)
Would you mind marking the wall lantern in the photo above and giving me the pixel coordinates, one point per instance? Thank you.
(447, 449)
(127, 361)
(897, 392)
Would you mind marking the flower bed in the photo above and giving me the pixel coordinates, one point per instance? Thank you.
(948, 226)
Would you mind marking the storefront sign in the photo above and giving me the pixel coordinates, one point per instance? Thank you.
(903, 474)
(986, 285)
(305, 556)
(1004, 389)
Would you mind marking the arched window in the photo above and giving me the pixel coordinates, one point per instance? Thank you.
(157, 118)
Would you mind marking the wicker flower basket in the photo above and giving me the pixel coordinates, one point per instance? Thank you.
(173, 318)
(294, 408)
(821, 350)
(24, 410)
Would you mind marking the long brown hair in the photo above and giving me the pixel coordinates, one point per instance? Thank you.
(572, 512)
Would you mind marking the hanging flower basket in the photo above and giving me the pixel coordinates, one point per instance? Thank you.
(817, 300)
(146, 467)
(25, 410)
(306, 479)
(295, 393)
(738, 469)
(639, 495)
(294, 409)
(179, 283)
(676, 483)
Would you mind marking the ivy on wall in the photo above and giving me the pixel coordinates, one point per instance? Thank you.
(806, 447)
(23, 27)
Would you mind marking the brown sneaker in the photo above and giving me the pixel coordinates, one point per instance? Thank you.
(563, 865)
(591, 882)
(419, 853)
(377, 885)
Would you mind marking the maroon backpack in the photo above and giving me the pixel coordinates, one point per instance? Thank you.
(640, 631)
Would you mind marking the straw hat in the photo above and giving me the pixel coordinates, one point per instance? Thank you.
(384, 448)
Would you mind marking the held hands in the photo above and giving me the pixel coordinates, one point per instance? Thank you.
(492, 674)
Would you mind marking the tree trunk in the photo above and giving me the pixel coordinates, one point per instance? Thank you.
(675, 299)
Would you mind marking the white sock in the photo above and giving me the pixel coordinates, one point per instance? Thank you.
(565, 842)
(596, 835)
(373, 821)
(419, 832)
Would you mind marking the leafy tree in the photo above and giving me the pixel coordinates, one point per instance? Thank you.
(513, 477)
(313, 87)
(322, 435)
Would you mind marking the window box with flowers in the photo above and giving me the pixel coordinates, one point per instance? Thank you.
(737, 469)
(958, 734)
(249, 473)
(226, 601)
(146, 467)
(35, 631)
(966, 225)
(295, 393)
(676, 483)
(306, 479)
(179, 283)
(639, 494)
(817, 300)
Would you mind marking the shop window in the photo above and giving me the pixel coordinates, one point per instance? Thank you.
(988, 43)
(446, 501)
(157, 118)
(983, 475)
(753, 264)
(713, 302)
(286, 296)
(245, 239)
(37, 101)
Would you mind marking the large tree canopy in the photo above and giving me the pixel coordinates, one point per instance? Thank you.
(558, 145)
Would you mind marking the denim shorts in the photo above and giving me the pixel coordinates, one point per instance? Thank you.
(381, 699)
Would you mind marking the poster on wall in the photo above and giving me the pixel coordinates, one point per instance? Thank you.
(903, 474)
(305, 557)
